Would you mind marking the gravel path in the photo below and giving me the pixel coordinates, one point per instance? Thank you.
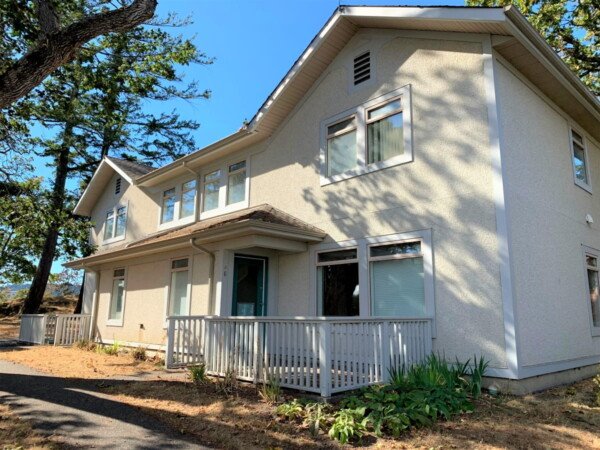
(76, 411)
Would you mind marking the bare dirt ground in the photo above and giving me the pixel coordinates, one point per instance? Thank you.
(16, 433)
(71, 362)
(561, 418)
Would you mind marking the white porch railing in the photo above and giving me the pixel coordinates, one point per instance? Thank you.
(63, 329)
(322, 355)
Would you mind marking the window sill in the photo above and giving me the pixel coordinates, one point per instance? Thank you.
(227, 209)
(177, 223)
(375, 167)
(113, 240)
(114, 323)
(584, 186)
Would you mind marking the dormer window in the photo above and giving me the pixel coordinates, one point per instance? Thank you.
(118, 186)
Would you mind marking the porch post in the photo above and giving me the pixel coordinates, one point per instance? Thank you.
(170, 339)
(325, 358)
(257, 352)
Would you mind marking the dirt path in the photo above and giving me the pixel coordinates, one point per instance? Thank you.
(78, 412)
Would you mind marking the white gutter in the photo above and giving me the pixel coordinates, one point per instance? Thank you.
(211, 273)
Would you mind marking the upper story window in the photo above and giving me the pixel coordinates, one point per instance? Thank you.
(367, 138)
(179, 203)
(593, 284)
(224, 189)
(115, 225)
(580, 166)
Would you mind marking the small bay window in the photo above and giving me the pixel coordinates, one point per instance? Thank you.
(367, 138)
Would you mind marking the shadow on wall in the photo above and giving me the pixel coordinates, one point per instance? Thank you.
(448, 187)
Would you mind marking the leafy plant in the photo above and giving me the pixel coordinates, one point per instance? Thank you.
(270, 391)
(139, 354)
(316, 416)
(293, 410)
(197, 374)
(112, 349)
(477, 372)
(348, 424)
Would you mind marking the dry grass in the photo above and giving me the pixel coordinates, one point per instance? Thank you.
(18, 434)
(71, 362)
(9, 327)
(562, 418)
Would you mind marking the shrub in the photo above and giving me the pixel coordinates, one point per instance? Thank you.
(348, 424)
(228, 384)
(293, 410)
(198, 374)
(86, 345)
(596, 381)
(270, 391)
(139, 353)
(112, 349)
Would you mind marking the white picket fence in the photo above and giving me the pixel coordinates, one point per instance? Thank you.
(62, 329)
(321, 355)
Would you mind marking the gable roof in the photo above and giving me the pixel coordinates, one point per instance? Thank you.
(520, 44)
(262, 219)
(129, 171)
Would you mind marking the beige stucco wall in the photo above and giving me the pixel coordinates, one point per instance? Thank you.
(147, 280)
(547, 226)
(142, 213)
(447, 188)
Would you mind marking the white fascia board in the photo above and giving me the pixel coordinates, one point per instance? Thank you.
(118, 170)
(462, 14)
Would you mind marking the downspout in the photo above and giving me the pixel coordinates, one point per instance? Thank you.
(211, 274)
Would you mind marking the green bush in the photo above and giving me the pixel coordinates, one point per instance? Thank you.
(112, 349)
(596, 381)
(415, 397)
(198, 374)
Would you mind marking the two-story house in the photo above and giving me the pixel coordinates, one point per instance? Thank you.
(422, 179)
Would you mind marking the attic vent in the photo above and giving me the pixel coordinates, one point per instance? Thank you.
(118, 186)
(362, 68)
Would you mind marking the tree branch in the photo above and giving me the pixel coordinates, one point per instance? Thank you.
(61, 46)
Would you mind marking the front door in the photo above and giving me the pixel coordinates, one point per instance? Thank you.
(249, 286)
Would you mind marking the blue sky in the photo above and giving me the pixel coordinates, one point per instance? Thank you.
(254, 43)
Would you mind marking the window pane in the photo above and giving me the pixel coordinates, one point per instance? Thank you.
(383, 110)
(397, 288)
(211, 196)
(344, 124)
(168, 206)
(189, 185)
(121, 221)
(109, 225)
(213, 176)
(579, 162)
(119, 273)
(237, 166)
(405, 248)
(179, 263)
(576, 136)
(116, 301)
(385, 139)
(341, 153)
(179, 300)
(236, 188)
(339, 255)
(338, 289)
(594, 293)
(591, 261)
(188, 202)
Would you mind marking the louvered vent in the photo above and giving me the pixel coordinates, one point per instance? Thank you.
(362, 68)
(118, 186)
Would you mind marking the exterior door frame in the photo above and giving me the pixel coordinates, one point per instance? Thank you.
(265, 287)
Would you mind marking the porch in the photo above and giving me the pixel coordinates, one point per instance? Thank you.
(314, 354)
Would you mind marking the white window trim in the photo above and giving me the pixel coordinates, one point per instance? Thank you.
(189, 268)
(404, 93)
(177, 208)
(117, 322)
(223, 208)
(585, 251)
(362, 245)
(114, 211)
(585, 186)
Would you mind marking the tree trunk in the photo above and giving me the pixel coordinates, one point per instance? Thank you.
(40, 280)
